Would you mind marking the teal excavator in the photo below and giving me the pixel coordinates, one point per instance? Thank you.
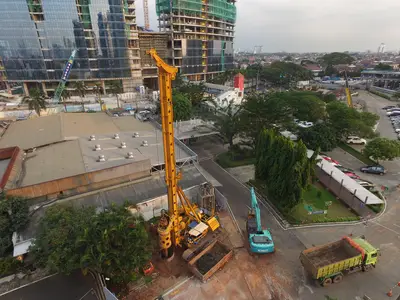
(260, 240)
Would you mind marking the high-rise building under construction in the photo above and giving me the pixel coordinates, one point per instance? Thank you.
(201, 35)
(38, 36)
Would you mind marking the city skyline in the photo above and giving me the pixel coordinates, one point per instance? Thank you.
(282, 25)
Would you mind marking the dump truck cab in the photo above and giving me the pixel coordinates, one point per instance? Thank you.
(371, 253)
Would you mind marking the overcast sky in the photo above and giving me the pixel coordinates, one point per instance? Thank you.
(311, 25)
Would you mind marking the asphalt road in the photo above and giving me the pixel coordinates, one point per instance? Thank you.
(60, 287)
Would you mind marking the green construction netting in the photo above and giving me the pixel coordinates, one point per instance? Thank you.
(216, 8)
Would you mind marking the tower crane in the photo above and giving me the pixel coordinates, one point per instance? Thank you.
(64, 77)
(146, 14)
(173, 225)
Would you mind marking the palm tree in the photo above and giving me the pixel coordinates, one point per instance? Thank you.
(116, 89)
(35, 101)
(81, 89)
(64, 96)
(98, 89)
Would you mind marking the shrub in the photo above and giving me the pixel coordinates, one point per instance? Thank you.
(9, 265)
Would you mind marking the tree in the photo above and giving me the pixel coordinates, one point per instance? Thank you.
(65, 95)
(113, 243)
(259, 111)
(336, 58)
(35, 100)
(346, 120)
(182, 107)
(227, 122)
(98, 90)
(320, 136)
(382, 149)
(194, 92)
(306, 106)
(283, 167)
(81, 89)
(14, 217)
(330, 70)
(288, 58)
(383, 67)
(116, 89)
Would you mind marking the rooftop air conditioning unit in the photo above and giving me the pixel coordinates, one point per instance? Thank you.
(116, 136)
(101, 158)
(145, 144)
(92, 138)
(97, 148)
(123, 145)
(129, 155)
(136, 134)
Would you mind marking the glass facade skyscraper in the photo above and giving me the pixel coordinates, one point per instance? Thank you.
(38, 36)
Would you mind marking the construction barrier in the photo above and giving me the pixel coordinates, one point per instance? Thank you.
(390, 292)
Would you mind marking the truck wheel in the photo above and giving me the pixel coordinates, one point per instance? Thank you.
(337, 278)
(327, 282)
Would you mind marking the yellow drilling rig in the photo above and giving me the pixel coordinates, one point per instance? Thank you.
(186, 224)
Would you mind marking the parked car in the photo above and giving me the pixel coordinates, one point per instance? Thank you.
(344, 169)
(373, 170)
(331, 160)
(305, 124)
(393, 109)
(388, 107)
(393, 113)
(356, 140)
(364, 182)
(352, 175)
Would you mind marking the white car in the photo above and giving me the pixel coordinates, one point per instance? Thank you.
(393, 112)
(305, 124)
(356, 140)
(397, 130)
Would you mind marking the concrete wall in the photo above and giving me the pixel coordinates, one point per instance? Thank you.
(85, 182)
(342, 193)
(152, 208)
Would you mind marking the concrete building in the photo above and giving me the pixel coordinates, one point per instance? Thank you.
(389, 80)
(70, 154)
(201, 35)
(38, 36)
(147, 41)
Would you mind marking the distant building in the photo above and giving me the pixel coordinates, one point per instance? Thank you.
(315, 69)
(37, 38)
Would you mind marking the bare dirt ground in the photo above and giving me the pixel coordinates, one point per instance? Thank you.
(244, 277)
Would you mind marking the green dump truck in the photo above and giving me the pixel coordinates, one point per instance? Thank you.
(328, 263)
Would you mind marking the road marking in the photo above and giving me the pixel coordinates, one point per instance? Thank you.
(396, 225)
(390, 229)
(28, 284)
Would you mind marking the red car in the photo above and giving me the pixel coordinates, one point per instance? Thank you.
(352, 175)
(331, 160)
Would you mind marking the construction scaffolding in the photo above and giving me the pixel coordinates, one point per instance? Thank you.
(217, 8)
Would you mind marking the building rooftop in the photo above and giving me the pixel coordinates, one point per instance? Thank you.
(33, 133)
(66, 149)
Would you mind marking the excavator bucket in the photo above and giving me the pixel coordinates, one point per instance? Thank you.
(213, 223)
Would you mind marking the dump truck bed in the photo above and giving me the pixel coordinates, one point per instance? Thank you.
(330, 258)
(210, 260)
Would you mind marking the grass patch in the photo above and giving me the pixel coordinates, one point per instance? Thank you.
(315, 197)
(232, 159)
(357, 154)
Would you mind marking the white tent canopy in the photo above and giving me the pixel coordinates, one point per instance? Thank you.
(348, 183)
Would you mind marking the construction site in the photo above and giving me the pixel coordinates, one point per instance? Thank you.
(201, 35)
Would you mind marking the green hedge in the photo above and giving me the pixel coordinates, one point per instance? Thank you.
(376, 208)
(381, 94)
(9, 266)
(356, 154)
